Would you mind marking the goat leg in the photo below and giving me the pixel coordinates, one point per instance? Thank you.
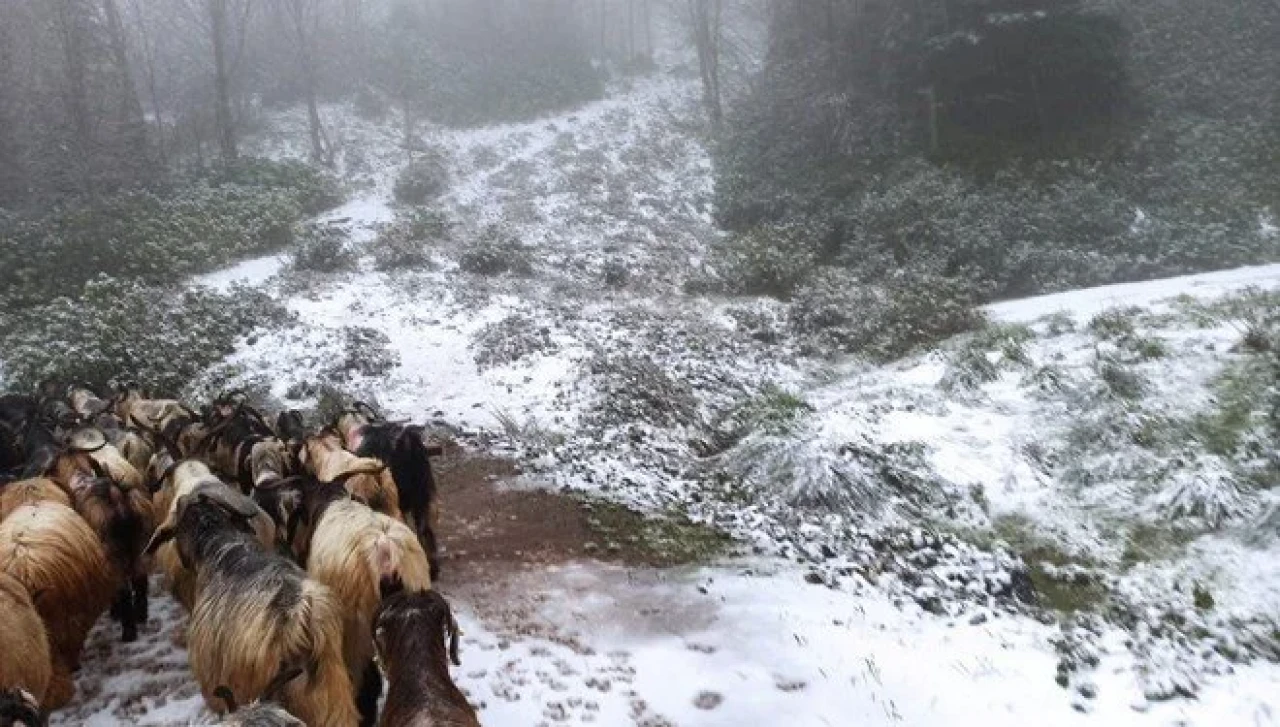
(141, 600)
(367, 697)
(128, 619)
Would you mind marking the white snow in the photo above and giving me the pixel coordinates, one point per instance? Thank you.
(1083, 304)
(594, 644)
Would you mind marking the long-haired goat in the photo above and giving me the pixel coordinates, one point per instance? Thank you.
(14, 495)
(55, 555)
(183, 479)
(404, 449)
(417, 637)
(368, 480)
(26, 663)
(254, 611)
(122, 516)
(359, 554)
(20, 708)
(266, 711)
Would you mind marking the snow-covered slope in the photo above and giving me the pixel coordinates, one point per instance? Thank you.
(891, 509)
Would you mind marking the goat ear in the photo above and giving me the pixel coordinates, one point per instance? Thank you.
(286, 674)
(159, 538)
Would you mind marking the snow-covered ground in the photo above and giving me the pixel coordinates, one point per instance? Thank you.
(848, 613)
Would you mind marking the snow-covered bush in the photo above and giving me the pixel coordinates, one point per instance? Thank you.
(634, 388)
(771, 260)
(510, 340)
(407, 242)
(496, 251)
(425, 179)
(365, 352)
(158, 237)
(836, 312)
(322, 248)
(119, 328)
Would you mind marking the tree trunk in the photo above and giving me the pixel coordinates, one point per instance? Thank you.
(132, 122)
(75, 95)
(223, 113)
(648, 29)
(305, 36)
(705, 17)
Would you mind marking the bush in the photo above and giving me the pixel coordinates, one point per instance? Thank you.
(323, 248)
(157, 238)
(158, 339)
(425, 179)
(314, 190)
(495, 252)
(366, 352)
(838, 313)
(405, 244)
(510, 340)
(771, 260)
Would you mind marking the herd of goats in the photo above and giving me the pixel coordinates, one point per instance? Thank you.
(304, 557)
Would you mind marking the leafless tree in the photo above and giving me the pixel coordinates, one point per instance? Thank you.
(705, 20)
(304, 16)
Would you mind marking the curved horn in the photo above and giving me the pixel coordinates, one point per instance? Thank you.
(232, 502)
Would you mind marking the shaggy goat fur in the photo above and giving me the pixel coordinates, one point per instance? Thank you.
(368, 480)
(254, 611)
(122, 516)
(359, 554)
(26, 663)
(187, 478)
(54, 554)
(417, 637)
(405, 451)
(29, 492)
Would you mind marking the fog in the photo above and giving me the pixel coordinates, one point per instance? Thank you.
(799, 362)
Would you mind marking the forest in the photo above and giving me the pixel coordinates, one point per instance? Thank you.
(639, 362)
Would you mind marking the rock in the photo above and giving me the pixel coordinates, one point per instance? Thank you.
(1088, 690)
(708, 700)
(814, 577)
(978, 619)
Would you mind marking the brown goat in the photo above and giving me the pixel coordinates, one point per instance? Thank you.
(54, 554)
(417, 637)
(368, 480)
(122, 516)
(26, 663)
(359, 554)
(255, 611)
(29, 492)
(187, 478)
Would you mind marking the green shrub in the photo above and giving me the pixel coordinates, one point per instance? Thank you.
(157, 238)
(912, 311)
(773, 260)
(314, 190)
(496, 252)
(118, 328)
(406, 243)
(423, 180)
(322, 248)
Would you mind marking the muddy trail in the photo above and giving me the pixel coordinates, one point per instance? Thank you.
(517, 559)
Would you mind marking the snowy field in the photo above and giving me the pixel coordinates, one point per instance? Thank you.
(844, 615)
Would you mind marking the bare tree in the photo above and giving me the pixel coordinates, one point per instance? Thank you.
(305, 21)
(705, 19)
(219, 32)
